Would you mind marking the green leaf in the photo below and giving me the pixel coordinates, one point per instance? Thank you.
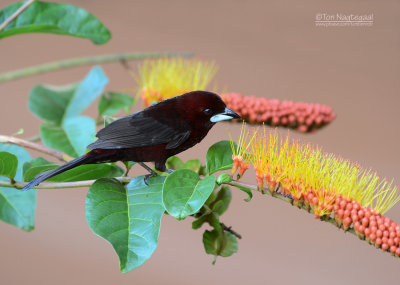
(57, 103)
(80, 173)
(219, 157)
(72, 137)
(174, 162)
(246, 190)
(211, 241)
(129, 219)
(111, 103)
(230, 245)
(128, 165)
(193, 164)
(54, 18)
(196, 224)
(222, 201)
(8, 164)
(16, 207)
(38, 161)
(59, 107)
(219, 243)
(184, 193)
(212, 218)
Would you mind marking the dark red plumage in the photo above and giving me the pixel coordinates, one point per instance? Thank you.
(153, 134)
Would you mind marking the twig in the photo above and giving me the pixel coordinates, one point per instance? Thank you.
(57, 185)
(56, 65)
(127, 67)
(16, 14)
(229, 229)
(35, 146)
(34, 139)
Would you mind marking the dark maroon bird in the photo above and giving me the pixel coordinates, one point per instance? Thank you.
(153, 134)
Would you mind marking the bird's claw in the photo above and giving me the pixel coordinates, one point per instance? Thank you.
(147, 176)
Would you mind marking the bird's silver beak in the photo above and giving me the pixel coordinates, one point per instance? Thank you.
(228, 114)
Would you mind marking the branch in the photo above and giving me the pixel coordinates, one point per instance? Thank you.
(58, 185)
(35, 146)
(16, 14)
(56, 65)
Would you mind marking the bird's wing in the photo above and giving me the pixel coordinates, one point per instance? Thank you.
(139, 130)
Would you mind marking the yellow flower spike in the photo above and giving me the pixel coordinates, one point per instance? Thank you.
(305, 171)
(386, 198)
(168, 77)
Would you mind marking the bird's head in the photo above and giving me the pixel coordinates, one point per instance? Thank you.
(206, 107)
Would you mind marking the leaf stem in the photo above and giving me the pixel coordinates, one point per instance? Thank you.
(35, 146)
(16, 14)
(90, 60)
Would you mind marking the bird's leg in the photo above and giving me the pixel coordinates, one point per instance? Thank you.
(152, 172)
(160, 166)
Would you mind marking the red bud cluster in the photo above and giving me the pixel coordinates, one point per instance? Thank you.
(373, 227)
(349, 214)
(301, 116)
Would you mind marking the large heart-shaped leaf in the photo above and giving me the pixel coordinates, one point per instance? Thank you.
(54, 18)
(219, 157)
(60, 106)
(71, 137)
(56, 103)
(128, 218)
(184, 193)
(16, 207)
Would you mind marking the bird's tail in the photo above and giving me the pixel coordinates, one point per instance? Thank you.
(50, 173)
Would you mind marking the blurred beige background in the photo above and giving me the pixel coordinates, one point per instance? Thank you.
(263, 48)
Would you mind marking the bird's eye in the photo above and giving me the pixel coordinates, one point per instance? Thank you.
(207, 111)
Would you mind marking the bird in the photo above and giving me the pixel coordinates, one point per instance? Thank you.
(154, 134)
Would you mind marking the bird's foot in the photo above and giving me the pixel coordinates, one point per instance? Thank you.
(168, 170)
(151, 174)
(147, 177)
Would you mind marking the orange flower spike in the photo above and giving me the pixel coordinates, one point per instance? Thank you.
(243, 167)
(236, 163)
(240, 155)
